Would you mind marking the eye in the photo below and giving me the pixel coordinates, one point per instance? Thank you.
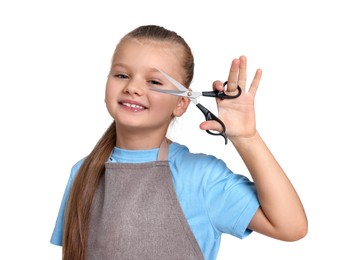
(154, 82)
(121, 76)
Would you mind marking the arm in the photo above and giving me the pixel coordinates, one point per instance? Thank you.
(281, 214)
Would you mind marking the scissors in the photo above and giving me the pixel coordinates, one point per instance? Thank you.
(184, 92)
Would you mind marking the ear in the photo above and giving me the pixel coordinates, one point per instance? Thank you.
(181, 107)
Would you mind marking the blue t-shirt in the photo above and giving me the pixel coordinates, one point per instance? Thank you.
(214, 199)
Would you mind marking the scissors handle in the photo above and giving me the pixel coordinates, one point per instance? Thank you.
(210, 116)
(221, 94)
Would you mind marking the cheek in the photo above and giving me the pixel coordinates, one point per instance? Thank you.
(164, 102)
(111, 98)
(110, 91)
(107, 89)
(107, 94)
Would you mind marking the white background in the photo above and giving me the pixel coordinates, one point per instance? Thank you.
(54, 59)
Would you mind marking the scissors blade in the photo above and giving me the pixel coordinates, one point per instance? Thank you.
(171, 92)
(187, 92)
(174, 82)
(193, 95)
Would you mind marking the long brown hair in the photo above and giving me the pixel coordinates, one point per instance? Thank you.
(77, 212)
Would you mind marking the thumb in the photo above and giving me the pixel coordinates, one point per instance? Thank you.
(211, 125)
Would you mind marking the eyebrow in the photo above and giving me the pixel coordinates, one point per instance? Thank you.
(119, 65)
(123, 65)
(154, 70)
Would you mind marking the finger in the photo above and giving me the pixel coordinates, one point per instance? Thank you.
(255, 82)
(232, 82)
(218, 85)
(242, 77)
(211, 125)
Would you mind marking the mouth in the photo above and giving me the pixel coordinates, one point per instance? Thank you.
(132, 106)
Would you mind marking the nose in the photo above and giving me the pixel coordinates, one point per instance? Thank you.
(134, 87)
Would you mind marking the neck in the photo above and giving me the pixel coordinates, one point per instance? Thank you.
(139, 140)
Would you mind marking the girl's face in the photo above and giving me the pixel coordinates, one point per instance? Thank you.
(129, 100)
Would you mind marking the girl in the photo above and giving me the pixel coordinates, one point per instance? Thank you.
(138, 195)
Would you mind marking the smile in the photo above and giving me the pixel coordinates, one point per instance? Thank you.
(136, 107)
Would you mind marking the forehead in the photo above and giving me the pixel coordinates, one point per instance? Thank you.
(149, 52)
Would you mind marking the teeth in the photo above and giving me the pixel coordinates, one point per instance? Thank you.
(133, 105)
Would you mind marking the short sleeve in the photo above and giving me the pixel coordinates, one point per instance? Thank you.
(231, 201)
(57, 234)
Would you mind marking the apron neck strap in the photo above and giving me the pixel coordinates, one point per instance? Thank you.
(163, 150)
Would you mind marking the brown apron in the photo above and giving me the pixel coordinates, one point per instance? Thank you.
(136, 215)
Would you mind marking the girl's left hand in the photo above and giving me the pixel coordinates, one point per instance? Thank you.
(237, 114)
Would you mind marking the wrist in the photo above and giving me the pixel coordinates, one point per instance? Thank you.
(240, 141)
